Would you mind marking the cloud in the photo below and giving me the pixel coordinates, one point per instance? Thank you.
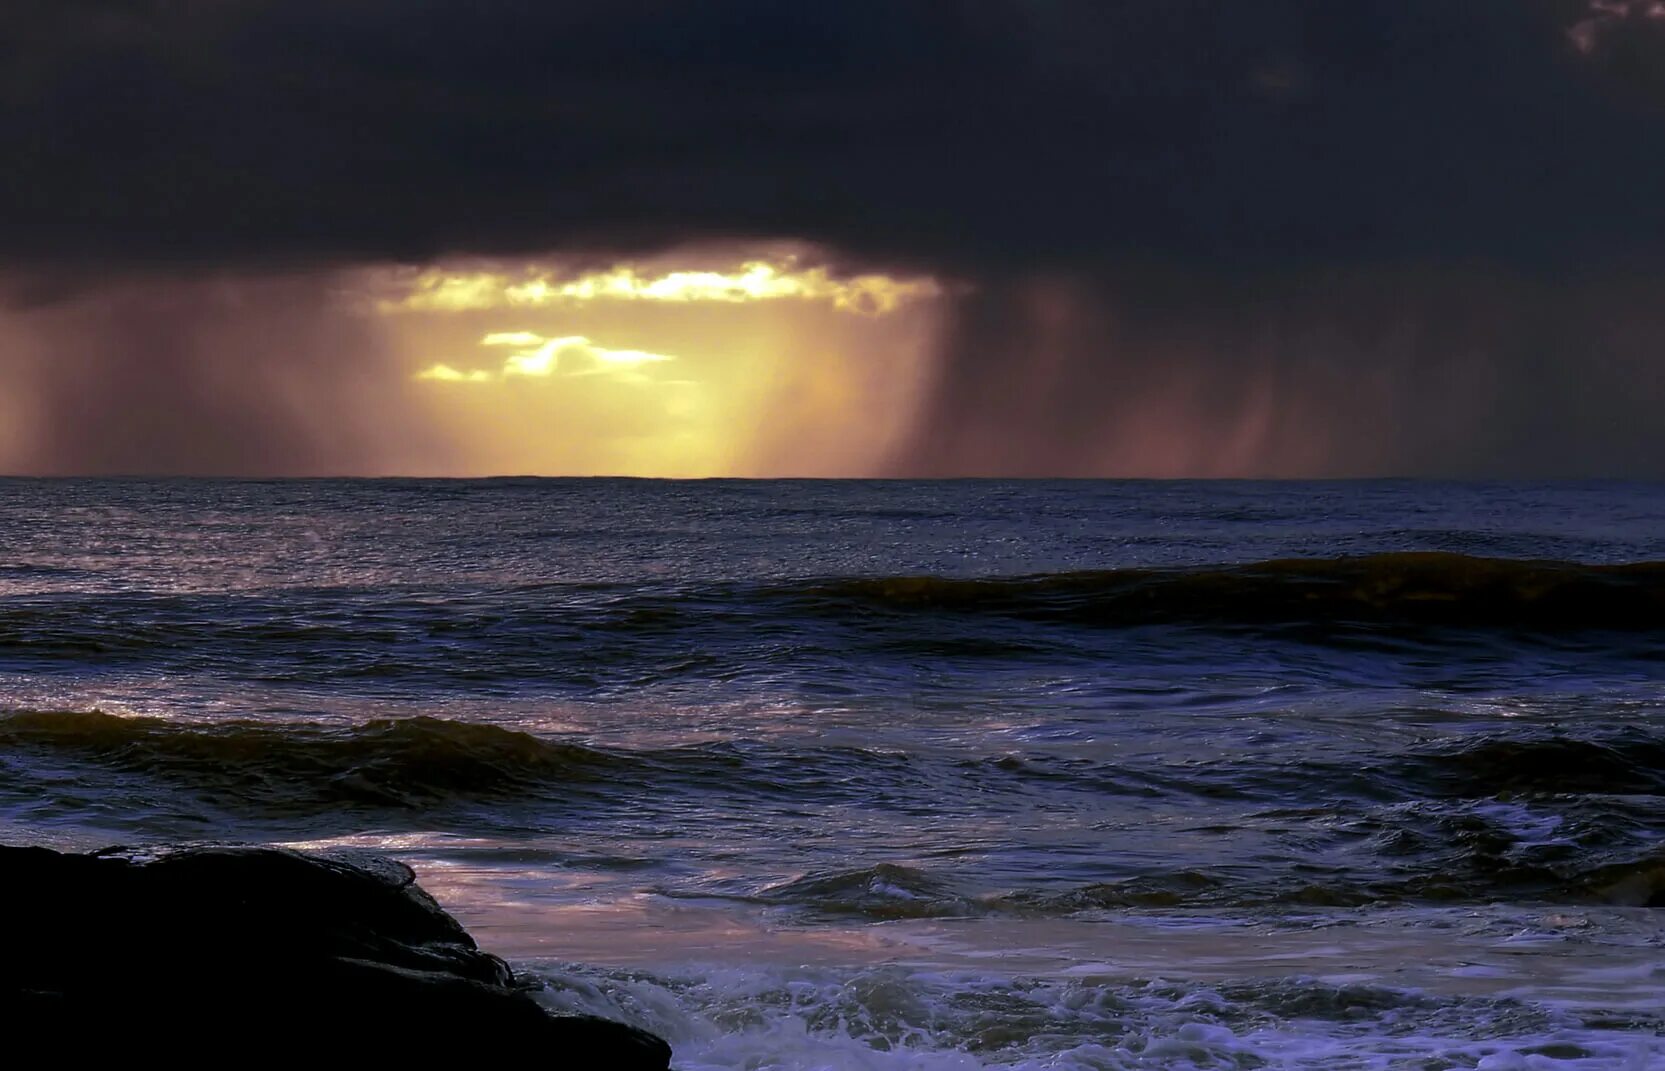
(439, 289)
(958, 137)
(1229, 234)
(537, 357)
(1610, 16)
(444, 373)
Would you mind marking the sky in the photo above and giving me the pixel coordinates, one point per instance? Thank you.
(1283, 238)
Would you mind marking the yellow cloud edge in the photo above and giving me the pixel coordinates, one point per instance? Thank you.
(536, 356)
(443, 290)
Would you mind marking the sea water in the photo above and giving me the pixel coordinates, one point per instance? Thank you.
(950, 775)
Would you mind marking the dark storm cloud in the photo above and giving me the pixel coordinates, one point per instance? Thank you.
(1288, 236)
(291, 130)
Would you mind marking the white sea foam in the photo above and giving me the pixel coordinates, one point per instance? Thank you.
(882, 1019)
(1528, 826)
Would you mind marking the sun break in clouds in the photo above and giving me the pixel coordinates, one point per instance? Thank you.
(442, 289)
(699, 362)
(534, 355)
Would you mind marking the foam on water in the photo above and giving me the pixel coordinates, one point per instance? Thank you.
(1497, 988)
(885, 1018)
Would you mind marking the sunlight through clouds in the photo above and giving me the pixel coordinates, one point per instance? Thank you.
(535, 356)
(440, 289)
(699, 361)
(444, 373)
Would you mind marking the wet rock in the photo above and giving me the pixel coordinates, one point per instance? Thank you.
(251, 953)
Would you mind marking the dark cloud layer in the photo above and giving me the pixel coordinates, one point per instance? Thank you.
(1189, 178)
(254, 130)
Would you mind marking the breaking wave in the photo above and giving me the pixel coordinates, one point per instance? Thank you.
(1433, 588)
(1532, 818)
(581, 635)
(403, 762)
(887, 1018)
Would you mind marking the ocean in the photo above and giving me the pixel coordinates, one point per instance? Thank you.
(937, 775)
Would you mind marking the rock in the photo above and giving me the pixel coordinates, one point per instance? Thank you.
(257, 952)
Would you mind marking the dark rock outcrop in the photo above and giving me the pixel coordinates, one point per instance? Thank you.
(269, 952)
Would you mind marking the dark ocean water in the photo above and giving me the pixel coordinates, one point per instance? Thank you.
(926, 775)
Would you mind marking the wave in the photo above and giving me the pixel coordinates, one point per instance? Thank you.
(418, 761)
(882, 891)
(1435, 588)
(405, 762)
(889, 891)
(1547, 817)
(635, 632)
(1617, 762)
(1609, 762)
(1637, 882)
(991, 1017)
(259, 769)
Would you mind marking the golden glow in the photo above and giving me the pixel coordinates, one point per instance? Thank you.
(444, 373)
(441, 289)
(703, 361)
(711, 360)
(535, 355)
